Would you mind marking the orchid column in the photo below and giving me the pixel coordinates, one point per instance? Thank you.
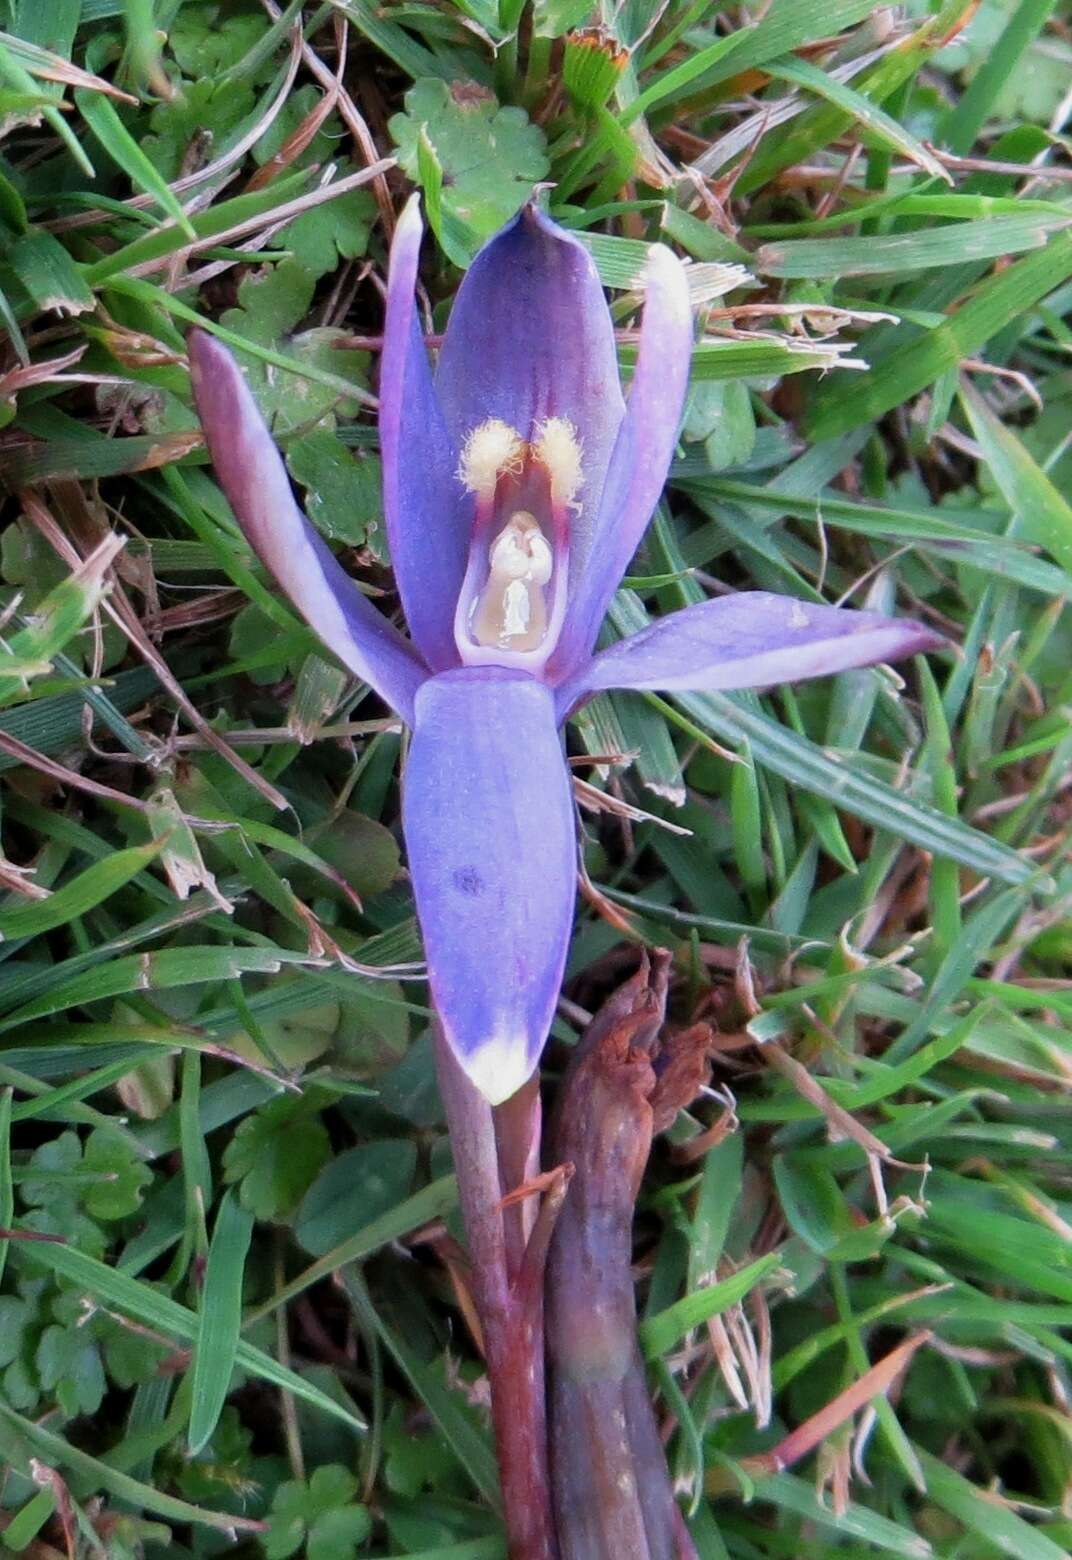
(518, 483)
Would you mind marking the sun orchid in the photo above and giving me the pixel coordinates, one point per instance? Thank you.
(518, 483)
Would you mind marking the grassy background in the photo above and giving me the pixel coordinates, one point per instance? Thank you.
(229, 1286)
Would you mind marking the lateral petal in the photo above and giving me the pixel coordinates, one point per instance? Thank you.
(428, 512)
(254, 478)
(640, 459)
(491, 841)
(751, 640)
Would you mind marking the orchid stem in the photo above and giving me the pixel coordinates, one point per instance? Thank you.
(510, 1313)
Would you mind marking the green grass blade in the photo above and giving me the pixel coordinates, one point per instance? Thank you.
(882, 126)
(899, 254)
(802, 763)
(1024, 25)
(1042, 511)
(219, 1320)
(917, 362)
(60, 1453)
(88, 889)
(113, 135)
(995, 1523)
(147, 1304)
(662, 1332)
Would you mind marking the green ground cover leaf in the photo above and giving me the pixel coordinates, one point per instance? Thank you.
(488, 158)
(270, 305)
(275, 1156)
(322, 1515)
(358, 1187)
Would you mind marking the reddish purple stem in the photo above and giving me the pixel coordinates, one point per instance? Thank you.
(509, 1304)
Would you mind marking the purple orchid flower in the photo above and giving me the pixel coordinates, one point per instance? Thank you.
(518, 483)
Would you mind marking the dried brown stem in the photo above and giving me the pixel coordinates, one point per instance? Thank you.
(612, 1491)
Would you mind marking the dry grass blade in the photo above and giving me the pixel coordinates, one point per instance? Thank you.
(278, 217)
(840, 1123)
(53, 67)
(350, 114)
(123, 614)
(806, 1437)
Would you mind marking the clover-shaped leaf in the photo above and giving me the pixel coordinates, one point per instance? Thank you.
(204, 112)
(129, 1356)
(320, 238)
(68, 1190)
(210, 36)
(69, 1364)
(336, 1534)
(51, 1167)
(54, 1195)
(107, 1154)
(271, 303)
(253, 633)
(418, 1460)
(720, 413)
(16, 1315)
(476, 160)
(18, 1339)
(276, 1154)
(321, 1514)
(26, 559)
(342, 493)
(106, 1179)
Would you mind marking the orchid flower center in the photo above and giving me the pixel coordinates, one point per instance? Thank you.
(513, 597)
(511, 611)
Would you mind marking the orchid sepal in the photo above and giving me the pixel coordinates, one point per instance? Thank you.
(487, 812)
(252, 474)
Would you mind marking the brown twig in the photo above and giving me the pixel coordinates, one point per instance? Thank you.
(612, 1491)
(351, 117)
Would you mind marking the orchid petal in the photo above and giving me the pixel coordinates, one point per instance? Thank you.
(252, 474)
(530, 337)
(490, 835)
(640, 459)
(428, 512)
(751, 640)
